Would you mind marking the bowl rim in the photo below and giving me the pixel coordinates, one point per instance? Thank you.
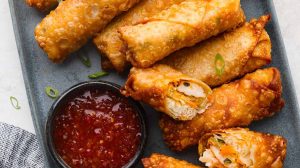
(48, 125)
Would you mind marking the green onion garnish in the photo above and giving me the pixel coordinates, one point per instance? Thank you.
(219, 64)
(51, 92)
(14, 102)
(97, 75)
(227, 161)
(59, 1)
(221, 141)
(85, 60)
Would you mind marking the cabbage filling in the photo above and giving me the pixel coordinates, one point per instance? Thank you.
(229, 151)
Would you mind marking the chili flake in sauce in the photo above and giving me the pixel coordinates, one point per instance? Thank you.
(97, 129)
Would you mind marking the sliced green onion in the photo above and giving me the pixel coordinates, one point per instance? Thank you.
(227, 161)
(85, 60)
(219, 64)
(59, 1)
(221, 141)
(14, 102)
(97, 75)
(51, 92)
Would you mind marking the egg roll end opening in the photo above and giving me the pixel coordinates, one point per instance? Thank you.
(186, 98)
(240, 147)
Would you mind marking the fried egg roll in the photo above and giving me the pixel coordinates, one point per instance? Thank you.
(105, 63)
(168, 91)
(238, 147)
(237, 104)
(109, 42)
(242, 50)
(42, 5)
(162, 161)
(181, 25)
(73, 22)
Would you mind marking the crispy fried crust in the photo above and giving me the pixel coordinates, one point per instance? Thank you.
(106, 64)
(269, 150)
(73, 22)
(151, 86)
(244, 50)
(108, 41)
(179, 26)
(162, 161)
(42, 5)
(254, 97)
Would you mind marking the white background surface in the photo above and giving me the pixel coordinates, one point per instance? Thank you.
(11, 80)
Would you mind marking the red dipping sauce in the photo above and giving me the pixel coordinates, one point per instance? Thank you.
(97, 129)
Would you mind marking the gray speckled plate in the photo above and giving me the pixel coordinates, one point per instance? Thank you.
(39, 72)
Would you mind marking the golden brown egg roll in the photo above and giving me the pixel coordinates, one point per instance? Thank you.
(73, 22)
(43, 5)
(105, 63)
(239, 147)
(243, 50)
(109, 42)
(181, 25)
(237, 104)
(162, 161)
(168, 91)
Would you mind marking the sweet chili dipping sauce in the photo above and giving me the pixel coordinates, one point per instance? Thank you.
(97, 129)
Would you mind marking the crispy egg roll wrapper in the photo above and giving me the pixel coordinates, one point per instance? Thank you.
(109, 41)
(105, 63)
(179, 26)
(162, 161)
(73, 22)
(243, 50)
(237, 104)
(168, 91)
(239, 147)
(43, 5)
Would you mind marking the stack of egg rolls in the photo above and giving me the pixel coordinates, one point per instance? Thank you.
(42, 5)
(243, 50)
(174, 75)
(181, 25)
(253, 97)
(109, 42)
(73, 22)
(235, 147)
(168, 91)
